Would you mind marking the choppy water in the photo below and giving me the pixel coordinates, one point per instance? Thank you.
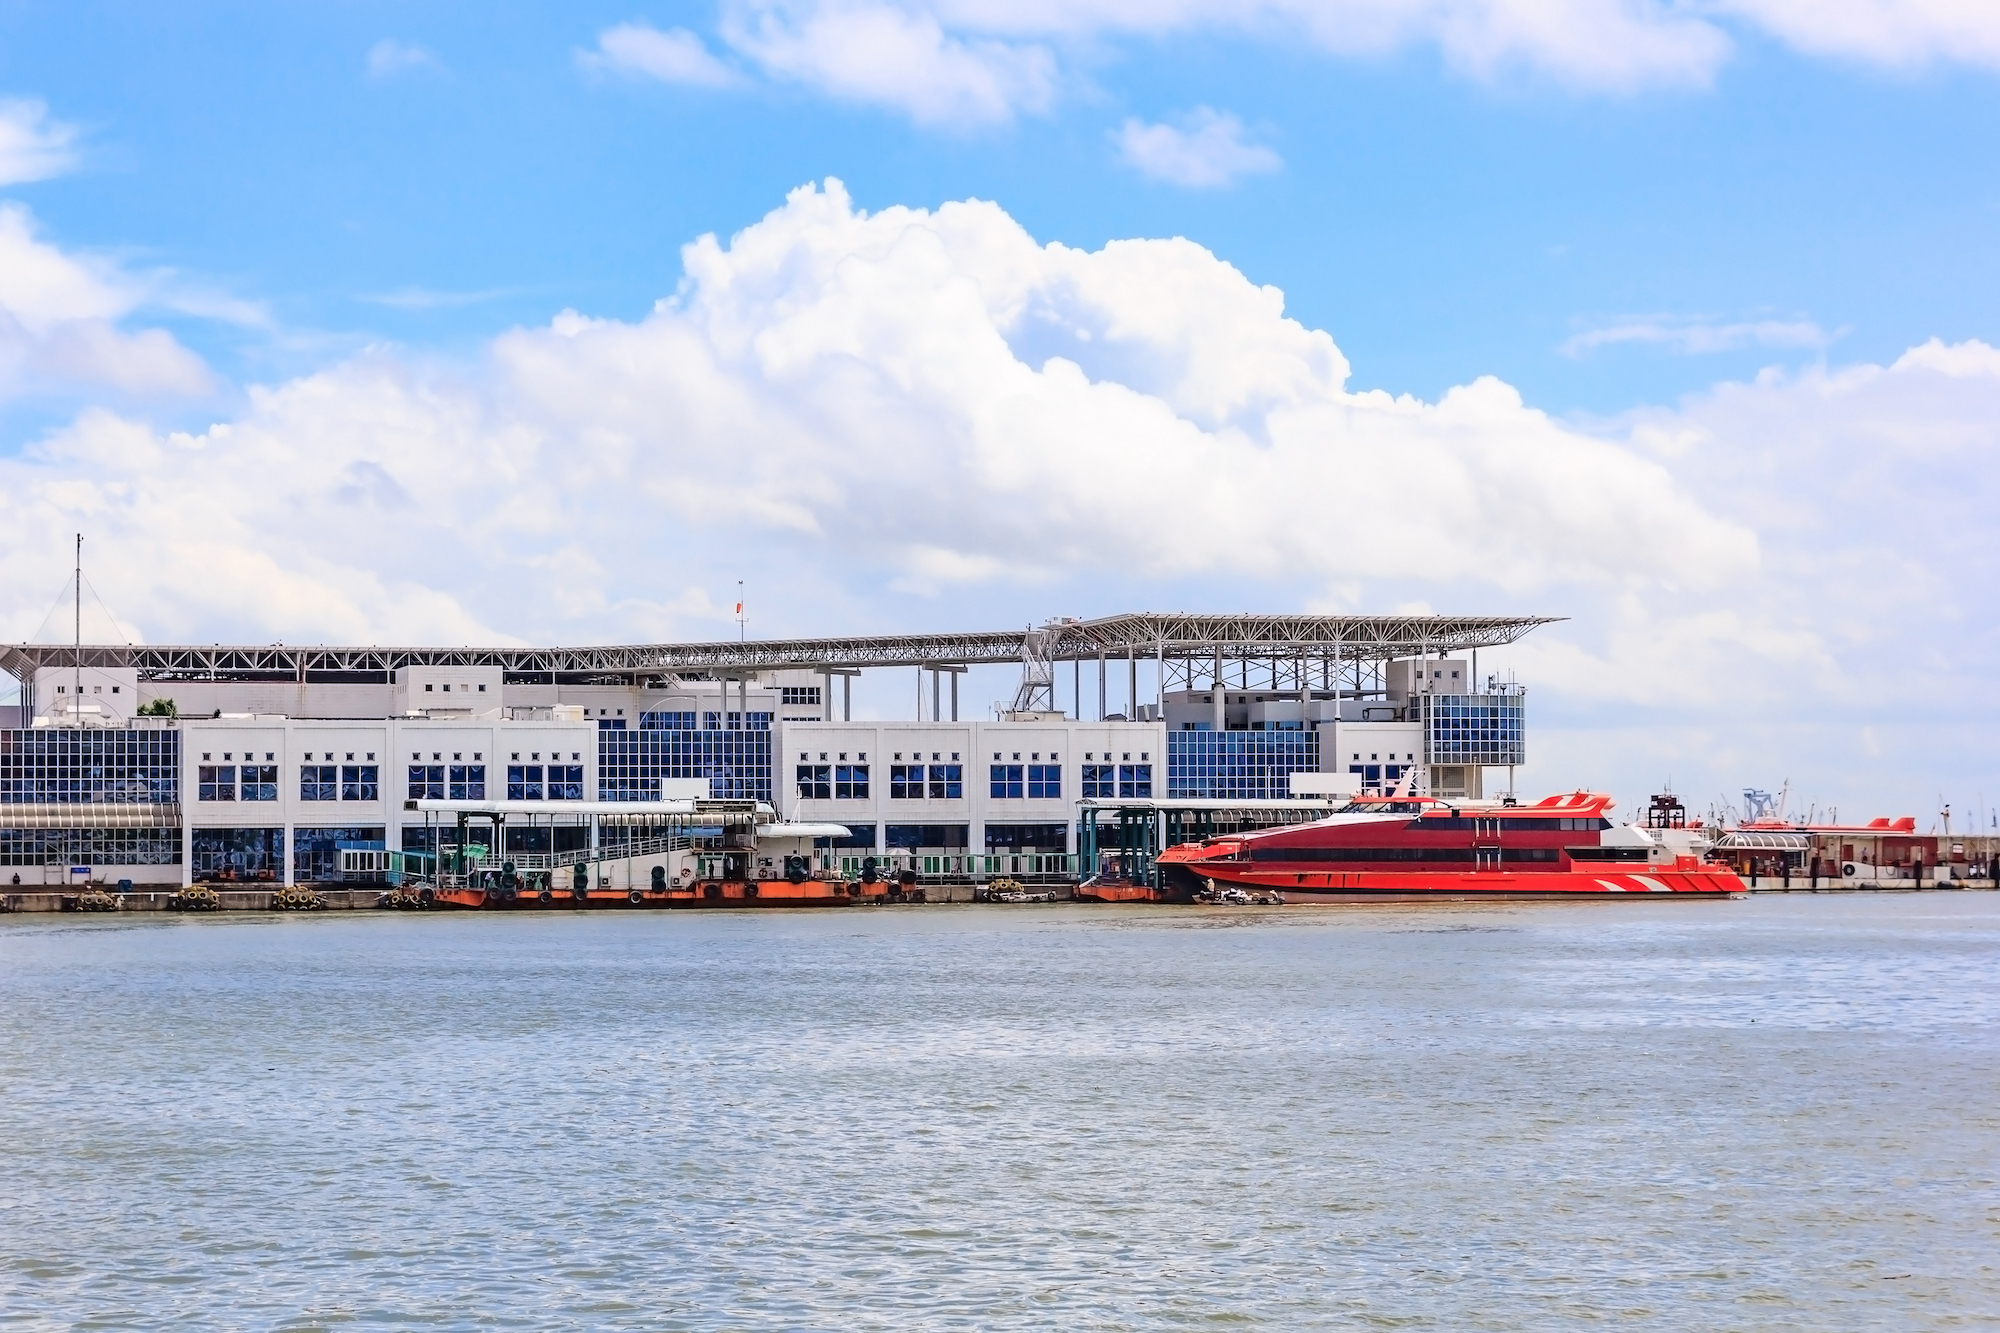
(1779, 1113)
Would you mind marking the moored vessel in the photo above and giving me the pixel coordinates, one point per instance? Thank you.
(1404, 848)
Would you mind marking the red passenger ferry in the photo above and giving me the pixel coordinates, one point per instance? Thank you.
(1413, 849)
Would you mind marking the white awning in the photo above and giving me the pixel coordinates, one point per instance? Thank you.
(1760, 841)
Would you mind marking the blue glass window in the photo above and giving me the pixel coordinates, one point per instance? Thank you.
(906, 782)
(947, 782)
(468, 782)
(1044, 782)
(524, 782)
(216, 783)
(1135, 781)
(737, 765)
(317, 782)
(358, 783)
(1006, 783)
(566, 782)
(1237, 765)
(426, 782)
(815, 782)
(56, 765)
(850, 782)
(1098, 782)
(259, 782)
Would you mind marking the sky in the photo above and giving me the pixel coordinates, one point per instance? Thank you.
(512, 324)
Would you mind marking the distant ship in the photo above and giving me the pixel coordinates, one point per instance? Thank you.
(1402, 848)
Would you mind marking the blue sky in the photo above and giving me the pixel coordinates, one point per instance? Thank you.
(1705, 238)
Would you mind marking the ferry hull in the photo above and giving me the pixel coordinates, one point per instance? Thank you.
(1624, 882)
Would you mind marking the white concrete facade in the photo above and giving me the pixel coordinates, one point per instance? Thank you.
(976, 748)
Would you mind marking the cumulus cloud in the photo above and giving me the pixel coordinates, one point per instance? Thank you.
(389, 56)
(1206, 150)
(1693, 336)
(33, 147)
(673, 56)
(59, 323)
(847, 402)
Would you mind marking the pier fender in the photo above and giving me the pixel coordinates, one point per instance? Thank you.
(1847, 869)
(544, 896)
(580, 892)
(635, 897)
(427, 894)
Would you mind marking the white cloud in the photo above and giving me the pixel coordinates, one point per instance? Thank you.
(59, 319)
(33, 147)
(894, 56)
(389, 56)
(844, 403)
(965, 63)
(1696, 335)
(1207, 151)
(1881, 32)
(673, 56)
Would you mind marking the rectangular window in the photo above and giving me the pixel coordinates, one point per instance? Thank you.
(1044, 782)
(358, 782)
(566, 782)
(1136, 781)
(1006, 782)
(850, 782)
(815, 782)
(217, 783)
(317, 783)
(947, 782)
(260, 782)
(906, 782)
(798, 696)
(468, 782)
(426, 782)
(524, 782)
(1098, 782)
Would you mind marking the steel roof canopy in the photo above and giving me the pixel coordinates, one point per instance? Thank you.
(1143, 634)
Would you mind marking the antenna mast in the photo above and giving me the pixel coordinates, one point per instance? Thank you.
(76, 706)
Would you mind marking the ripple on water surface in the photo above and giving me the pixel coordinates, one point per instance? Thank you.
(1775, 1113)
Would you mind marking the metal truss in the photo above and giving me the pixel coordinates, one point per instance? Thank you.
(1166, 637)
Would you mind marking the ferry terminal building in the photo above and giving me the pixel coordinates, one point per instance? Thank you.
(278, 757)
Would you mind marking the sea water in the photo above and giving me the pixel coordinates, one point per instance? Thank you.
(1777, 1113)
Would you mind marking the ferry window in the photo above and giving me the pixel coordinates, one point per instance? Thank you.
(524, 782)
(260, 782)
(1135, 780)
(815, 782)
(850, 782)
(468, 782)
(216, 784)
(426, 782)
(317, 783)
(1005, 782)
(906, 782)
(358, 782)
(1044, 782)
(1098, 781)
(948, 782)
